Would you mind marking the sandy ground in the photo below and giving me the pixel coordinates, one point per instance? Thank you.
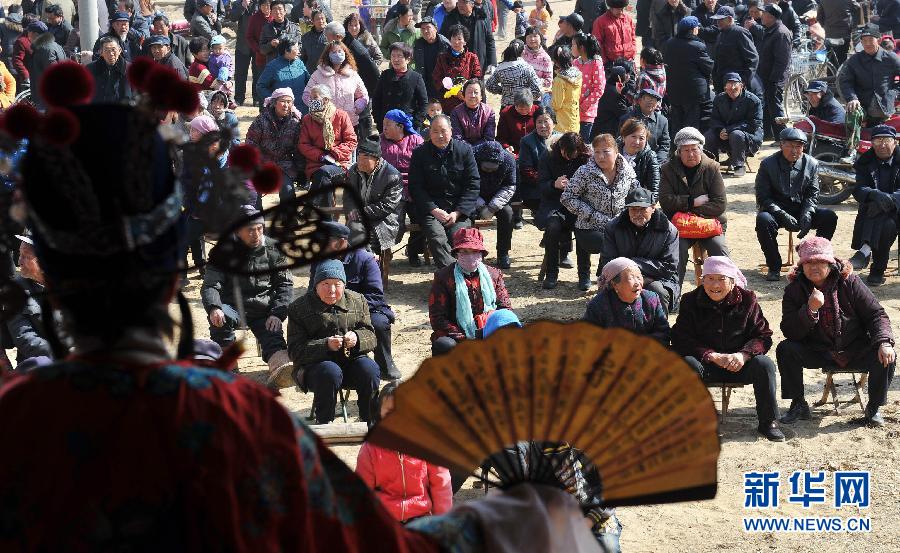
(828, 442)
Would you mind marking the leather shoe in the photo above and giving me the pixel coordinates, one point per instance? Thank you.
(584, 283)
(565, 262)
(519, 224)
(799, 411)
(391, 373)
(550, 282)
(875, 420)
(771, 432)
(774, 275)
(875, 279)
(739, 171)
(503, 261)
(859, 261)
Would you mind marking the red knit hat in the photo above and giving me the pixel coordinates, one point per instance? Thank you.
(815, 249)
(469, 238)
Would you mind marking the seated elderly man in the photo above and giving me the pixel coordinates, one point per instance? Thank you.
(25, 330)
(787, 196)
(329, 335)
(877, 192)
(692, 195)
(464, 293)
(723, 335)
(380, 187)
(829, 318)
(822, 103)
(497, 170)
(364, 277)
(643, 234)
(265, 298)
(736, 124)
(623, 302)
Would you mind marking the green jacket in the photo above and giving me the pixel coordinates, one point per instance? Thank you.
(391, 34)
(311, 321)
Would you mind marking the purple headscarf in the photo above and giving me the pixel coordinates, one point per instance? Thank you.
(721, 265)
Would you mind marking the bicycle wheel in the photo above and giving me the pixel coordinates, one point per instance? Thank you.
(795, 102)
(24, 97)
(832, 191)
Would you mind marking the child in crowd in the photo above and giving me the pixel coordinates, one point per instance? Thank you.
(432, 110)
(535, 54)
(540, 16)
(652, 74)
(408, 487)
(224, 117)
(565, 94)
(521, 22)
(221, 65)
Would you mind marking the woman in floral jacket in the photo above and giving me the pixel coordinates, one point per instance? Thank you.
(512, 75)
(595, 194)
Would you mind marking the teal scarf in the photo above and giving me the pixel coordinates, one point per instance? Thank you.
(464, 315)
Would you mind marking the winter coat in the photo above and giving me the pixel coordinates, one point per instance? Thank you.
(611, 107)
(240, 14)
(616, 36)
(44, 53)
(172, 61)
(775, 56)
(111, 84)
(312, 142)
(311, 322)
(420, 61)
(688, 70)
(26, 327)
(551, 168)
(889, 16)
(276, 143)
(872, 80)
(741, 114)
(474, 125)
(654, 248)
(510, 77)
(364, 278)
(283, 30)
(592, 198)
(199, 75)
(542, 64)
(513, 126)
(392, 33)
(590, 10)
(450, 182)
(837, 17)
(497, 187)
(481, 41)
(405, 92)
(442, 300)
(202, 26)
(645, 316)
(646, 167)
(664, 20)
(868, 177)
(735, 52)
(10, 30)
(790, 20)
(642, 10)
(380, 193)
(266, 295)
(734, 325)
(533, 150)
(774, 191)
(864, 323)
(465, 66)
(566, 98)
(61, 32)
(829, 109)
(658, 125)
(709, 30)
(365, 65)
(21, 59)
(254, 38)
(180, 49)
(676, 194)
(190, 9)
(347, 89)
(8, 94)
(593, 85)
(280, 73)
(399, 155)
(408, 487)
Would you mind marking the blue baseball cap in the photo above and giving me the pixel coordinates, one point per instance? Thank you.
(816, 86)
(120, 16)
(733, 77)
(884, 130)
(723, 12)
(37, 27)
(791, 134)
(159, 39)
(689, 22)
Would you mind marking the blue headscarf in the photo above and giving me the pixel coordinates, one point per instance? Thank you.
(400, 116)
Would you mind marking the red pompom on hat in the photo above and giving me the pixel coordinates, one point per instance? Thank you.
(184, 98)
(66, 84)
(244, 157)
(60, 127)
(159, 84)
(21, 121)
(138, 71)
(268, 179)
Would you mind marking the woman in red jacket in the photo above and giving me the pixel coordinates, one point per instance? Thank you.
(327, 140)
(408, 487)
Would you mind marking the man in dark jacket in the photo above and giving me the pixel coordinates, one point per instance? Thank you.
(111, 84)
(837, 17)
(877, 192)
(129, 39)
(644, 234)
(736, 124)
(735, 50)
(312, 43)
(664, 18)
(279, 28)
(190, 8)
(476, 17)
(265, 298)
(868, 80)
(688, 73)
(589, 10)
(380, 186)
(399, 88)
(57, 24)
(444, 185)
(205, 23)
(645, 110)
(240, 11)
(179, 45)
(44, 53)
(787, 196)
(889, 16)
(161, 52)
(822, 103)
(25, 330)
(788, 17)
(709, 29)
(774, 69)
(497, 169)
(426, 50)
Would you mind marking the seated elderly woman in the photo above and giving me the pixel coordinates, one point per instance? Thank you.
(516, 121)
(831, 319)
(723, 335)
(692, 195)
(464, 293)
(595, 194)
(622, 302)
(329, 335)
(497, 169)
(327, 139)
(398, 140)
(275, 132)
(473, 120)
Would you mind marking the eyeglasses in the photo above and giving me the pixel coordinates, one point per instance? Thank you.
(882, 141)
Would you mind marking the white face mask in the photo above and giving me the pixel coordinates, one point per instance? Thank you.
(468, 262)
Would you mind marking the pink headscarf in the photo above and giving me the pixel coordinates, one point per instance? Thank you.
(278, 93)
(204, 124)
(721, 265)
(613, 268)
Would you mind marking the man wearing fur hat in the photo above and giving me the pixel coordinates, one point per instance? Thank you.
(265, 298)
(787, 195)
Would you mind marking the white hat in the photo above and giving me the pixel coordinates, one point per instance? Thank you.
(689, 135)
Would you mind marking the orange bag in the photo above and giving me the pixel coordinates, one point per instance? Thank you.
(695, 227)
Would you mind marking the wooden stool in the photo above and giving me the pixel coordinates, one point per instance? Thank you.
(384, 263)
(698, 256)
(830, 388)
(726, 388)
(789, 262)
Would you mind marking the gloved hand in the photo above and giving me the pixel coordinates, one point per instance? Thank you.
(786, 220)
(360, 104)
(805, 224)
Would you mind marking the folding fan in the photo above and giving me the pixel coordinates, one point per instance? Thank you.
(642, 418)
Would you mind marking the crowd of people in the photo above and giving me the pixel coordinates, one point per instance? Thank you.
(614, 151)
